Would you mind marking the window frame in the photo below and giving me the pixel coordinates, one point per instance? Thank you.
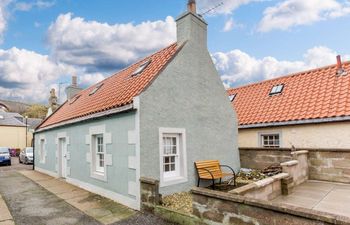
(273, 145)
(42, 155)
(97, 169)
(179, 175)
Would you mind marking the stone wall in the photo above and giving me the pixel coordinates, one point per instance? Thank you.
(330, 165)
(298, 168)
(149, 192)
(323, 164)
(266, 189)
(215, 207)
(260, 158)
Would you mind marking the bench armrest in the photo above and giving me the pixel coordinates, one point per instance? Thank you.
(229, 168)
(233, 172)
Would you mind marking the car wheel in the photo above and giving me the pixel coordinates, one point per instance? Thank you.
(26, 161)
(19, 159)
(9, 164)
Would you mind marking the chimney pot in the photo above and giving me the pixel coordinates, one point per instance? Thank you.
(74, 81)
(191, 6)
(339, 64)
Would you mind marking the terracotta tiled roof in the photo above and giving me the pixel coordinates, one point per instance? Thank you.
(313, 94)
(117, 90)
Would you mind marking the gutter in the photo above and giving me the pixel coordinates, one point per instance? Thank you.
(124, 108)
(296, 122)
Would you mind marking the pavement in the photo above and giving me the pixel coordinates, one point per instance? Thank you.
(322, 196)
(33, 198)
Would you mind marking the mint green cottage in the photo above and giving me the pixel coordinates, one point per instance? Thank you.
(153, 119)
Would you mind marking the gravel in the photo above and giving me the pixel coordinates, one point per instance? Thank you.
(181, 202)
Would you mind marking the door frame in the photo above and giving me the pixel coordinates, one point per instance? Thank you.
(62, 157)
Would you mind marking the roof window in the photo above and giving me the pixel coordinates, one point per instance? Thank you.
(277, 89)
(75, 98)
(96, 89)
(232, 97)
(141, 68)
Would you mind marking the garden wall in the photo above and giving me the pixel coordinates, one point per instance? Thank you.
(330, 165)
(323, 164)
(260, 158)
(215, 207)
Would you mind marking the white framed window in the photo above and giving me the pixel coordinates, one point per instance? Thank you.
(271, 140)
(99, 154)
(42, 152)
(98, 157)
(172, 148)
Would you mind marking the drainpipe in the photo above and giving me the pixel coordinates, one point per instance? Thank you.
(33, 144)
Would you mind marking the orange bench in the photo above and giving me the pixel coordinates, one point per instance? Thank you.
(211, 170)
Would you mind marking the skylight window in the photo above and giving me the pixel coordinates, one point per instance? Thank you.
(96, 89)
(277, 89)
(141, 68)
(232, 97)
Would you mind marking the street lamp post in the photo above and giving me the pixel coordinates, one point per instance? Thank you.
(26, 131)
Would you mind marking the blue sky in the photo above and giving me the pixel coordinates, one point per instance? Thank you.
(46, 41)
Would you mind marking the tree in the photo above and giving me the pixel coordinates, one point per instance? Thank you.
(36, 111)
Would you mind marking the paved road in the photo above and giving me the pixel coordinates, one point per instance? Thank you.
(30, 204)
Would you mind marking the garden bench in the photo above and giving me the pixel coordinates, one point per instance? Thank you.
(211, 170)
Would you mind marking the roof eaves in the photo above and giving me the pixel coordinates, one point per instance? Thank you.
(296, 122)
(124, 108)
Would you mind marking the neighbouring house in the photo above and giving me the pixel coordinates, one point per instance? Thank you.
(12, 130)
(153, 119)
(309, 109)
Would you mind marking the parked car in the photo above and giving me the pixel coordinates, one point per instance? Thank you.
(5, 158)
(26, 155)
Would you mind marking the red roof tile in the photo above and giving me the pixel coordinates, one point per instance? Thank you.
(313, 94)
(117, 90)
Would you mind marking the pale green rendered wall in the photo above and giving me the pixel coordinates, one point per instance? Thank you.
(188, 94)
(118, 174)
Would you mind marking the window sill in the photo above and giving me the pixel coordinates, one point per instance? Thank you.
(172, 180)
(99, 176)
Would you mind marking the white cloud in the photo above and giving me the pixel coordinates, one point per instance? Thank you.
(101, 46)
(26, 6)
(229, 25)
(26, 75)
(227, 7)
(87, 80)
(237, 67)
(291, 13)
(3, 18)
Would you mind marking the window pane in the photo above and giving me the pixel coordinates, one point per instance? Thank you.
(166, 168)
(172, 167)
(172, 159)
(174, 151)
(166, 159)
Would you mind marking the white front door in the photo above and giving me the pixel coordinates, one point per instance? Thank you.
(62, 159)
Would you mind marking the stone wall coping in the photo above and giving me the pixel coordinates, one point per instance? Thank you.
(290, 163)
(258, 184)
(301, 152)
(278, 207)
(298, 149)
(244, 189)
(148, 180)
(265, 149)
